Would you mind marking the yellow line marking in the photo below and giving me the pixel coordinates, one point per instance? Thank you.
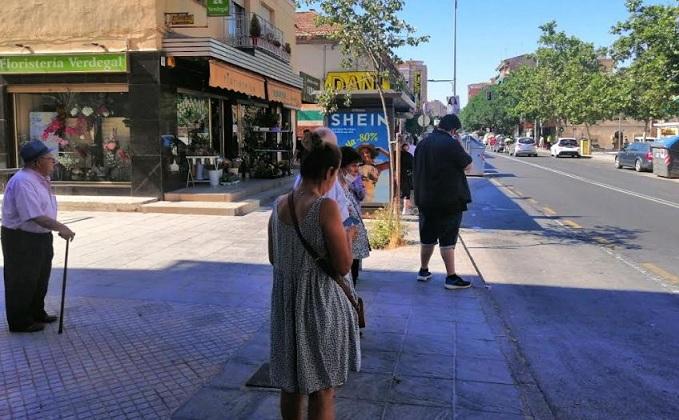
(571, 224)
(660, 272)
(532, 201)
(548, 211)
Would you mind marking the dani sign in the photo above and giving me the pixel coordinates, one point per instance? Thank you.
(354, 81)
(367, 133)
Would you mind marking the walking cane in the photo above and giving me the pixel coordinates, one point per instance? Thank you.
(63, 290)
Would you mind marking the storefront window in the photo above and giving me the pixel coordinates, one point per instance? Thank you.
(90, 131)
(193, 124)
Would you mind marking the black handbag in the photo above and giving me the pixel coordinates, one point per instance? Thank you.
(327, 268)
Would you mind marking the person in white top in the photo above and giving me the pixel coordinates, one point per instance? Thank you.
(29, 212)
(336, 192)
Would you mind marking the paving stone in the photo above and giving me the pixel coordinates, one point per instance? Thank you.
(419, 325)
(378, 361)
(429, 344)
(429, 365)
(483, 370)
(366, 386)
(378, 341)
(470, 347)
(408, 411)
(350, 409)
(390, 324)
(464, 414)
(422, 391)
(490, 397)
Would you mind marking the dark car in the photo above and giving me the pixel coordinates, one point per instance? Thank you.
(637, 156)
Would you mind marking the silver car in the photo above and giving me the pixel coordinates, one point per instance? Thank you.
(524, 146)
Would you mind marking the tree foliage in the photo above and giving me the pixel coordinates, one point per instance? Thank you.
(647, 51)
(569, 84)
(489, 109)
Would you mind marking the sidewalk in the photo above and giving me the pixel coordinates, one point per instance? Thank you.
(167, 316)
(427, 353)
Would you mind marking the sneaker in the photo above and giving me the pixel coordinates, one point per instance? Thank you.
(456, 282)
(424, 275)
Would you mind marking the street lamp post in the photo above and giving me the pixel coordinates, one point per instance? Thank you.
(455, 48)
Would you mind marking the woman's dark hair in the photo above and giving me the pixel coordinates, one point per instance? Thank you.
(319, 159)
(349, 156)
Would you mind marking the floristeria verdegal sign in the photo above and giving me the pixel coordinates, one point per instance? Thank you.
(64, 63)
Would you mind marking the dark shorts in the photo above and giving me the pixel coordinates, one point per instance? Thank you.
(439, 227)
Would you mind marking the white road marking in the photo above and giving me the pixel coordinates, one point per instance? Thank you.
(598, 184)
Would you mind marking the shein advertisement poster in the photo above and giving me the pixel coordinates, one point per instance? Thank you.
(367, 133)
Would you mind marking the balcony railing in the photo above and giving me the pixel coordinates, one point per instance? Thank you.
(271, 41)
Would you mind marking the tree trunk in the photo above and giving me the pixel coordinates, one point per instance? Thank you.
(392, 175)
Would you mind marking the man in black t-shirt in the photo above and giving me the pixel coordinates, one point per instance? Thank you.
(442, 195)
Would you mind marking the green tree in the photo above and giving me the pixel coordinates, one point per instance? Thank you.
(647, 51)
(489, 109)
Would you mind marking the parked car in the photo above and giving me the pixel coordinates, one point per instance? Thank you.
(565, 147)
(637, 156)
(524, 146)
(641, 139)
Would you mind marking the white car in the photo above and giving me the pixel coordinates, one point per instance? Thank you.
(524, 146)
(565, 147)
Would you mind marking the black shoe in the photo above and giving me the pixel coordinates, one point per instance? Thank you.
(456, 282)
(34, 327)
(424, 275)
(48, 319)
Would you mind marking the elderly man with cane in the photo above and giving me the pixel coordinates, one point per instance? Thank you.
(29, 212)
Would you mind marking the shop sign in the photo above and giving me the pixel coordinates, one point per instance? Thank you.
(179, 19)
(277, 92)
(310, 84)
(354, 81)
(367, 133)
(64, 63)
(218, 7)
(228, 77)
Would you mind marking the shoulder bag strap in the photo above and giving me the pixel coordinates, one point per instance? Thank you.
(317, 258)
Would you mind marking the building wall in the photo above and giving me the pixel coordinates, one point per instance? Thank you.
(72, 25)
(317, 59)
(602, 133)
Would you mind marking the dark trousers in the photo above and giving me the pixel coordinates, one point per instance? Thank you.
(28, 263)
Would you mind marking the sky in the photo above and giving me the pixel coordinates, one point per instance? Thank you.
(489, 31)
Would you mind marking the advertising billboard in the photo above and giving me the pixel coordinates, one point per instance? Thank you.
(367, 133)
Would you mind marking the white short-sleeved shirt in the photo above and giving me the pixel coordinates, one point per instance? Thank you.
(336, 193)
(28, 195)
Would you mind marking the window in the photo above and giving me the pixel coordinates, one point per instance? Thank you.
(90, 131)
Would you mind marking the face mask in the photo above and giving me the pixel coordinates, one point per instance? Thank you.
(350, 178)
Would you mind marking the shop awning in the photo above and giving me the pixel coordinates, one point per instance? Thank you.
(232, 78)
(287, 95)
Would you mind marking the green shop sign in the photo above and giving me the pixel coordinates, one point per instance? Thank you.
(218, 7)
(64, 63)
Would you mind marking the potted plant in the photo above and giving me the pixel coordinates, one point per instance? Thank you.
(276, 43)
(213, 174)
(255, 29)
(287, 48)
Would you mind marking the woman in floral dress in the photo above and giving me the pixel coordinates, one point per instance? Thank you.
(314, 328)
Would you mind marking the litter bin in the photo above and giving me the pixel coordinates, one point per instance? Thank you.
(585, 148)
(476, 150)
(666, 157)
